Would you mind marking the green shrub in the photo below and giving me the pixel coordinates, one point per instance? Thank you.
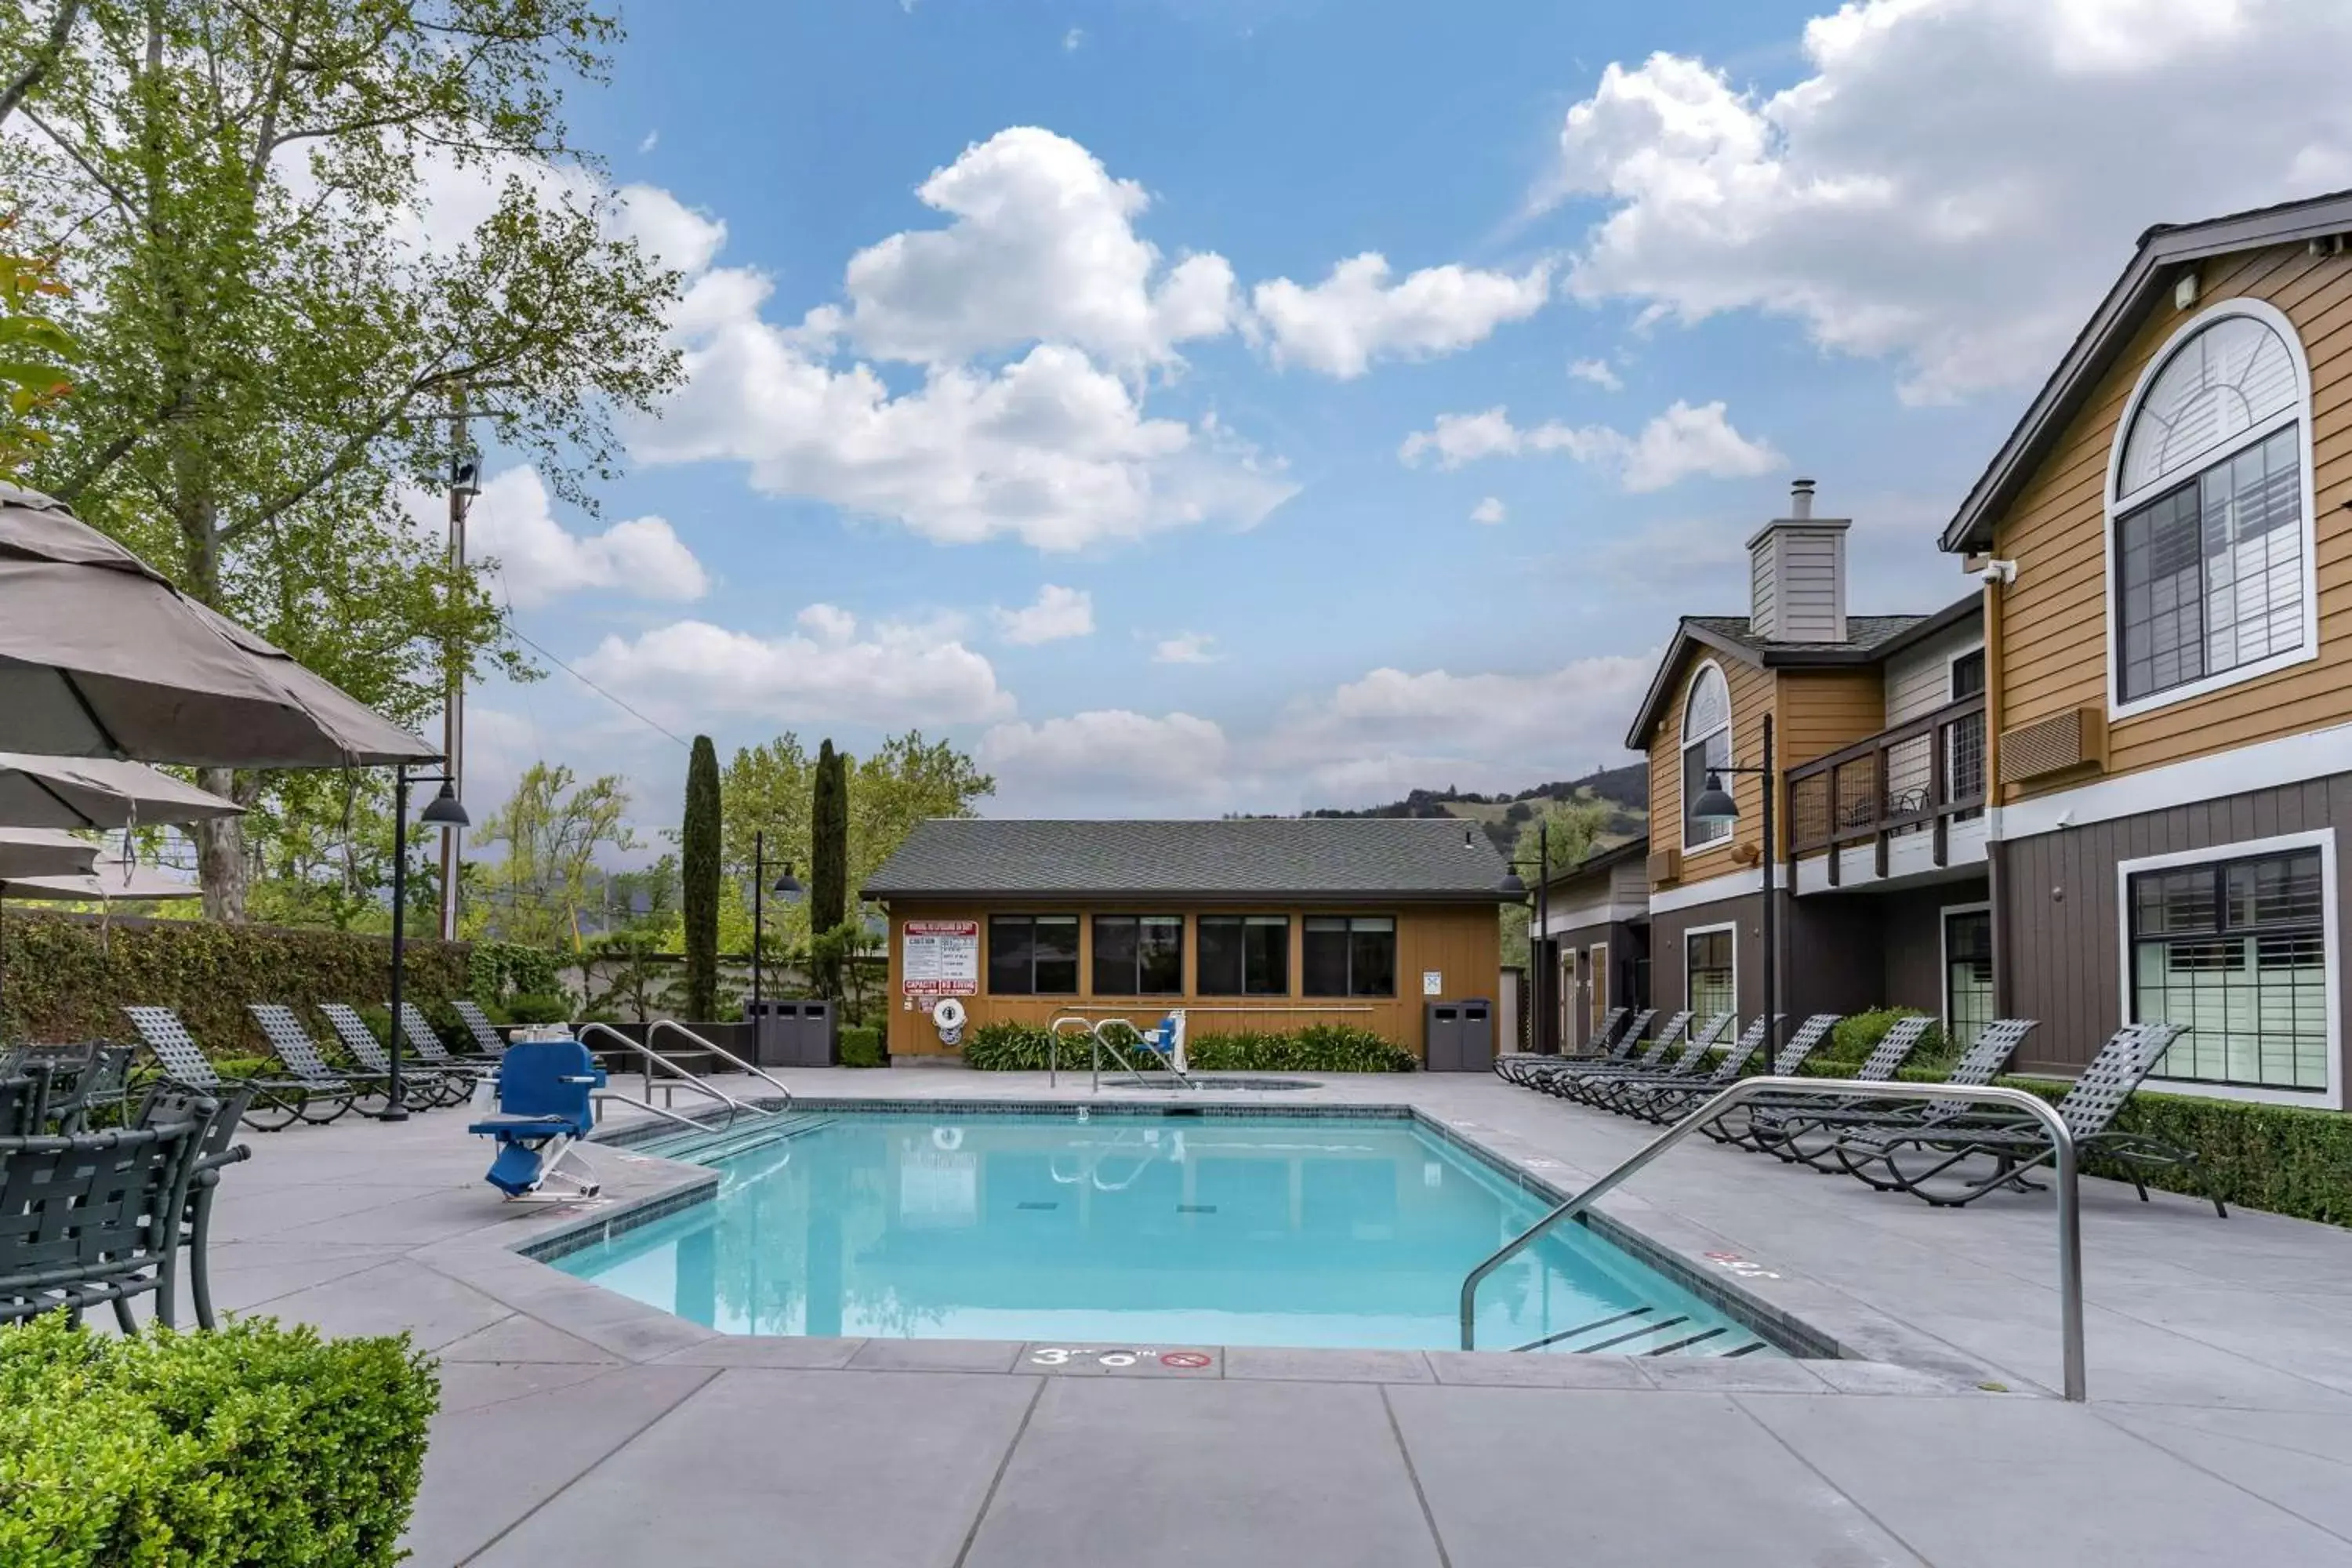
(1857, 1035)
(862, 1048)
(497, 970)
(252, 1445)
(538, 1007)
(1318, 1048)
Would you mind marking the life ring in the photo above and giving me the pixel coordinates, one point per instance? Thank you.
(948, 1014)
(947, 1139)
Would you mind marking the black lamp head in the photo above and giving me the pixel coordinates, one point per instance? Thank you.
(444, 811)
(1715, 803)
(788, 887)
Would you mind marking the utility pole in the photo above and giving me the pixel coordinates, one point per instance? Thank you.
(464, 484)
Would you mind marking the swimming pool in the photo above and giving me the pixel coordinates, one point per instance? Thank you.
(1192, 1229)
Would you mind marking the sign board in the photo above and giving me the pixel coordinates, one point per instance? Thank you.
(940, 958)
(1433, 983)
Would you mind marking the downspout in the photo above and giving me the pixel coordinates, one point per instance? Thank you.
(1995, 673)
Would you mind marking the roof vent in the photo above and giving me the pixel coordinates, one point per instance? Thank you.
(1797, 574)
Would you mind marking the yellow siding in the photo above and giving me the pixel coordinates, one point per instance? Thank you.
(1462, 942)
(1825, 711)
(2055, 614)
(1751, 699)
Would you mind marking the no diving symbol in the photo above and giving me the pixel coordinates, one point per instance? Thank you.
(1190, 1361)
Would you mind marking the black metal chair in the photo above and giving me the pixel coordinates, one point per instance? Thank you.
(1669, 1102)
(1749, 1125)
(167, 1104)
(300, 1056)
(1811, 1137)
(1638, 1096)
(22, 1101)
(425, 1042)
(93, 1219)
(277, 1103)
(89, 1075)
(1698, 1040)
(360, 1043)
(486, 1038)
(1562, 1077)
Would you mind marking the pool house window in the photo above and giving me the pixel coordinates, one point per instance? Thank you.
(2212, 548)
(1245, 955)
(1709, 965)
(1707, 745)
(2236, 950)
(1032, 955)
(1349, 955)
(1138, 955)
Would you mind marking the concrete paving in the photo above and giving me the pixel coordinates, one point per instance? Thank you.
(578, 1427)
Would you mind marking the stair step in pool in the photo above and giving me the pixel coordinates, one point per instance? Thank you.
(1644, 1331)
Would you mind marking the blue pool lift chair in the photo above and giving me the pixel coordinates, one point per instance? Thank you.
(544, 1108)
(1167, 1039)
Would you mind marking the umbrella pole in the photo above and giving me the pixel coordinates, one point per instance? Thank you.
(393, 1110)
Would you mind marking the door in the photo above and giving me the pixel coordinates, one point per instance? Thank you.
(1968, 974)
(1597, 987)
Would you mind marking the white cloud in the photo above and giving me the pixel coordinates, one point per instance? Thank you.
(1041, 246)
(1489, 511)
(1342, 324)
(649, 140)
(1957, 181)
(1107, 751)
(1598, 373)
(1682, 442)
(831, 668)
(1072, 39)
(1186, 647)
(1058, 613)
(538, 559)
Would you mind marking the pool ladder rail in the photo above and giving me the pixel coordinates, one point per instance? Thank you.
(682, 1075)
(1098, 1043)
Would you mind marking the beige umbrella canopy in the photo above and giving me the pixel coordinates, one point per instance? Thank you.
(98, 791)
(41, 852)
(102, 656)
(110, 881)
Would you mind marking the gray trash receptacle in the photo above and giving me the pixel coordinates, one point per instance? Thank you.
(1474, 1044)
(820, 1036)
(774, 1032)
(1441, 1034)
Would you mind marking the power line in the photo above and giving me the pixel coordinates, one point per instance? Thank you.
(593, 687)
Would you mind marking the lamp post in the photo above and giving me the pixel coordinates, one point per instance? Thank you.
(1715, 804)
(1539, 931)
(788, 887)
(442, 811)
(464, 484)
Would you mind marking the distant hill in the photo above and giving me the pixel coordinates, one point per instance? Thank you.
(1626, 789)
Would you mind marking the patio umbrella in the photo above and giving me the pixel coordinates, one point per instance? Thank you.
(41, 852)
(107, 881)
(98, 791)
(102, 656)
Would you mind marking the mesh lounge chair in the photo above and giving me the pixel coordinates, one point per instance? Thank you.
(291, 1044)
(2089, 1111)
(477, 1024)
(277, 1102)
(1747, 1126)
(1563, 1077)
(166, 1104)
(1672, 1101)
(1810, 1138)
(1602, 1088)
(1603, 1038)
(1628, 1097)
(1621, 1032)
(422, 1087)
(417, 1031)
(94, 1219)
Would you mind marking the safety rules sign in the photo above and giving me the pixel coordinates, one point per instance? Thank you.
(940, 958)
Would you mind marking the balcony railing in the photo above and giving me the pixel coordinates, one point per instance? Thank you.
(1918, 776)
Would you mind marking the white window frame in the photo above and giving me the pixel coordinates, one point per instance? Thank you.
(2324, 839)
(1684, 743)
(1944, 960)
(2119, 505)
(1690, 931)
(1954, 657)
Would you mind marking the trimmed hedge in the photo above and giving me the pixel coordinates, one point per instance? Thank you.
(861, 1047)
(1318, 1048)
(1856, 1036)
(65, 984)
(251, 1445)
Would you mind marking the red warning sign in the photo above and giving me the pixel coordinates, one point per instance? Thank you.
(1190, 1360)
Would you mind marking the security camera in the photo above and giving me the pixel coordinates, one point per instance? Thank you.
(1997, 571)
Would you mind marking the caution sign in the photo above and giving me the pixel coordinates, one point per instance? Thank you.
(940, 958)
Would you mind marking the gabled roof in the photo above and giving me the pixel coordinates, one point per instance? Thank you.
(1869, 640)
(2108, 331)
(1352, 858)
(1634, 849)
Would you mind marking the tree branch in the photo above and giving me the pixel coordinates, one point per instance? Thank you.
(45, 58)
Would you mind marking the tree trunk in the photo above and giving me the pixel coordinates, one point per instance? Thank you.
(220, 848)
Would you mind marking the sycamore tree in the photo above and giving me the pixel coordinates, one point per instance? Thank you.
(302, 234)
(1575, 829)
(554, 828)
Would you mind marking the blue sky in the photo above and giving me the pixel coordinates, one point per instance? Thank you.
(1129, 368)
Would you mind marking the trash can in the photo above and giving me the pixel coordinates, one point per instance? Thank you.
(820, 1036)
(1441, 1034)
(1474, 1044)
(775, 1030)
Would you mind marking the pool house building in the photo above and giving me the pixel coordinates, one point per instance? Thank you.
(1254, 923)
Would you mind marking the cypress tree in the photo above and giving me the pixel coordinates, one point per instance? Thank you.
(699, 896)
(829, 853)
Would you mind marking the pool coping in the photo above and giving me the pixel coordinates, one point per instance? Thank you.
(1840, 1342)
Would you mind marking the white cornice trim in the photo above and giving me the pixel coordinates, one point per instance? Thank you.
(2267, 765)
(1738, 884)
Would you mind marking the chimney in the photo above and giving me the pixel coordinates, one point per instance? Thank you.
(1797, 574)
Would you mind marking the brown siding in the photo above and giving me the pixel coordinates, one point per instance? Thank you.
(1463, 941)
(1824, 711)
(2063, 957)
(2055, 619)
(1751, 699)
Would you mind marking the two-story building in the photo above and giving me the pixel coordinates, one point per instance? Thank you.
(2167, 557)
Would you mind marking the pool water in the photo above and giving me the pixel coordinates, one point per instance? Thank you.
(1138, 1230)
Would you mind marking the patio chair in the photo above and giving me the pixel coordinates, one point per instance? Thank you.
(93, 1219)
(2015, 1146)
(277, 1103)
(546, 1105)
(1595, 1088)
(486, 1038)
(79, 1079)
(1561, 1076)
(21, 1098)
(1670, 1102)
(166, 1104)
(1603, 1038)
(1746, 1125)
(299, 1054)
(1620, 1031)
(1810, 1138)
(424, 1042)
(422, 1087)
(1623, 1093)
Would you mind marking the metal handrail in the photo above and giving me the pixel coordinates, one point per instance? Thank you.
(2070, 1208)
(1054, 1047)
(602, 1095)
(1102, 1044)
(722, 1053)
(655, 1058)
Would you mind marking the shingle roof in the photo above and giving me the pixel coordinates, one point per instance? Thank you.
(1353, 858)
(1863, 633)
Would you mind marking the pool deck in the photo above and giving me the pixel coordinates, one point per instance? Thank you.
(578, 1427)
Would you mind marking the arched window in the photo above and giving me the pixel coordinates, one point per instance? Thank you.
(1706, 744)
(2210, 509)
